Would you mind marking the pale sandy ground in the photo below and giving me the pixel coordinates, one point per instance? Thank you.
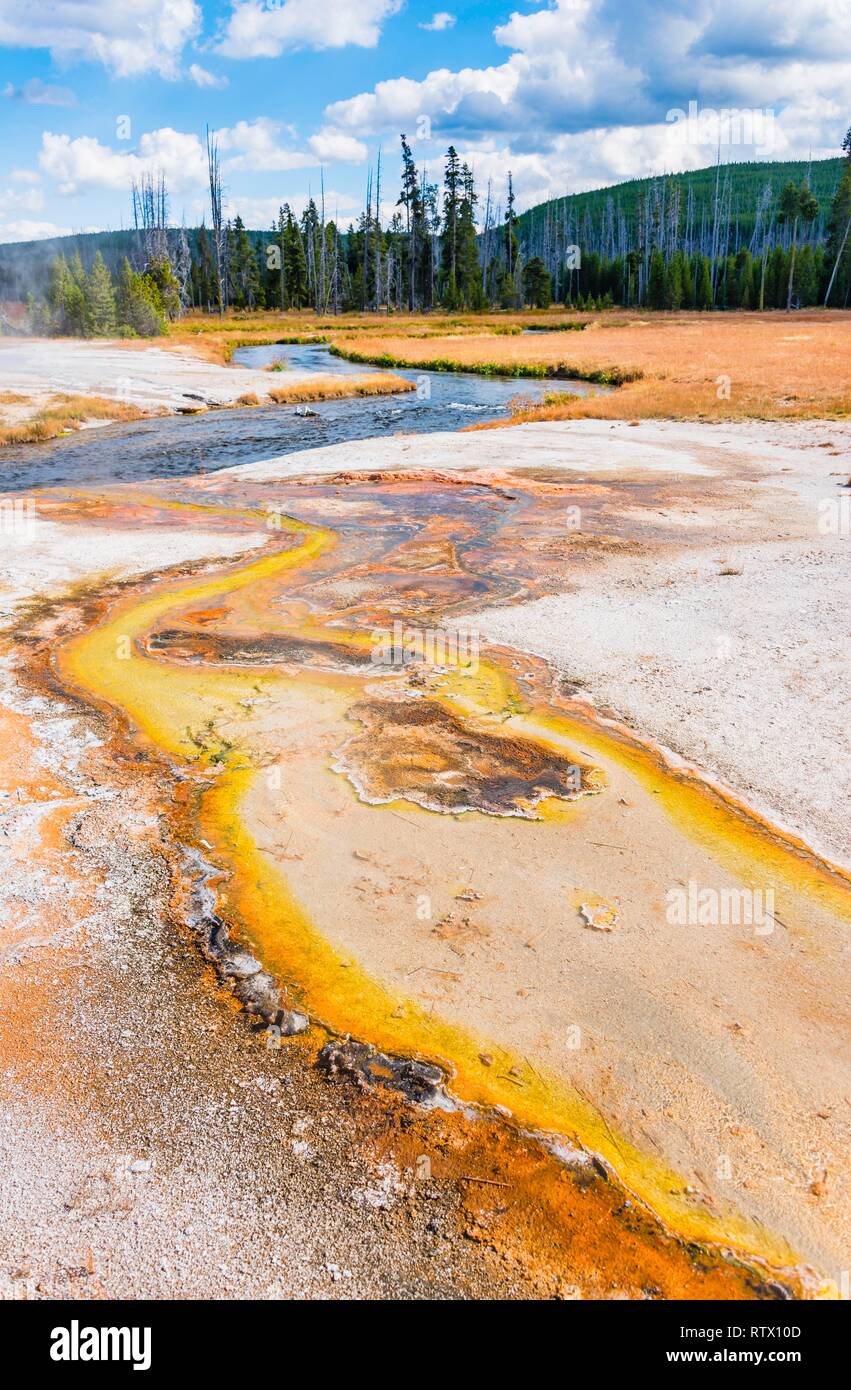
(745, 675)
(42, 555)
(151, 378)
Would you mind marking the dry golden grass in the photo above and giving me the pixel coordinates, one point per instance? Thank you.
(331, 388)
(215, 339)
(64, 413)
(12, 398)
(779, 366)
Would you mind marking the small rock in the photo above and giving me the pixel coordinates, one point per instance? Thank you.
(241, 965)
(293, 1022)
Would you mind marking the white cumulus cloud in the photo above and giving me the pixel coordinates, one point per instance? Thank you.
(203, 78)
(336, 146)
(258, 146)
(82, 164)
(260, 30)
(78, 165)
(130, 37)
(440, 21)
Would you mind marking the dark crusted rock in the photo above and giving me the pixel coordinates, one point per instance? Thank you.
(358, 1062)
(255, 989)
(239, 965)
(214, 935)
(290, 1021)
(259, 994)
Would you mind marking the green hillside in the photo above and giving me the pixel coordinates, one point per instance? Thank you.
(744, 184)
(727, 217)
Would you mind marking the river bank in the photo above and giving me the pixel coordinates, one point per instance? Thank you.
(134, 380)
(668, 366)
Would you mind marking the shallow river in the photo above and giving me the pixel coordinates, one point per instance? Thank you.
(175, 445)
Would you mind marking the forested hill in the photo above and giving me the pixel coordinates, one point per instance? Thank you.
(740, 186)
(758, 235)
(602, 213)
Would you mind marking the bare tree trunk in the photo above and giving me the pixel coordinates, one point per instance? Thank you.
(836, 263)
(377, 249)
(215, 176)
(792, 265)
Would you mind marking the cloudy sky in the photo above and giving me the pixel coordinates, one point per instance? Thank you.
(569, 94)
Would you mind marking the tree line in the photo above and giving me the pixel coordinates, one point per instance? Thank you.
(673, 243)
(139, 298)
(445, 246)
(427, 255)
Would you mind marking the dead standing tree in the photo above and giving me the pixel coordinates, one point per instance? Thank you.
(215, 177)
(150, 218)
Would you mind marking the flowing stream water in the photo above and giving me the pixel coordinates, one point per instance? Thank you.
(178, 445)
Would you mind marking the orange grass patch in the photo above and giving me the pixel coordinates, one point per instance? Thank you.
(64, 413)
(215, 339)
(332, 388)
(775, 365)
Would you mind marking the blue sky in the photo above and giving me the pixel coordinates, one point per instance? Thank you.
(569, 94)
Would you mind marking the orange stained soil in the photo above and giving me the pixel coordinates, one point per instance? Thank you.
(410, 843)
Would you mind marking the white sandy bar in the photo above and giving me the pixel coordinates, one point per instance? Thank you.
(153, 378)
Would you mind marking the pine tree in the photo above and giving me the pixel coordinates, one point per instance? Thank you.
(206, 287)
(703, 293)
(295, 263)
(139, 308)
(656, 283)
(243, 267)
(537, 284)
(99, 301)
(806, 279)
(743, 279)
(796, 204)
(689, 276)
(417, 267)
(674, 282)
(448, 283)
(66, 299)
(159, 274)
(468, 270)
(775, 278)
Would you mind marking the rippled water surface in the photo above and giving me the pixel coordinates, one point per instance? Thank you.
(178, 444)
